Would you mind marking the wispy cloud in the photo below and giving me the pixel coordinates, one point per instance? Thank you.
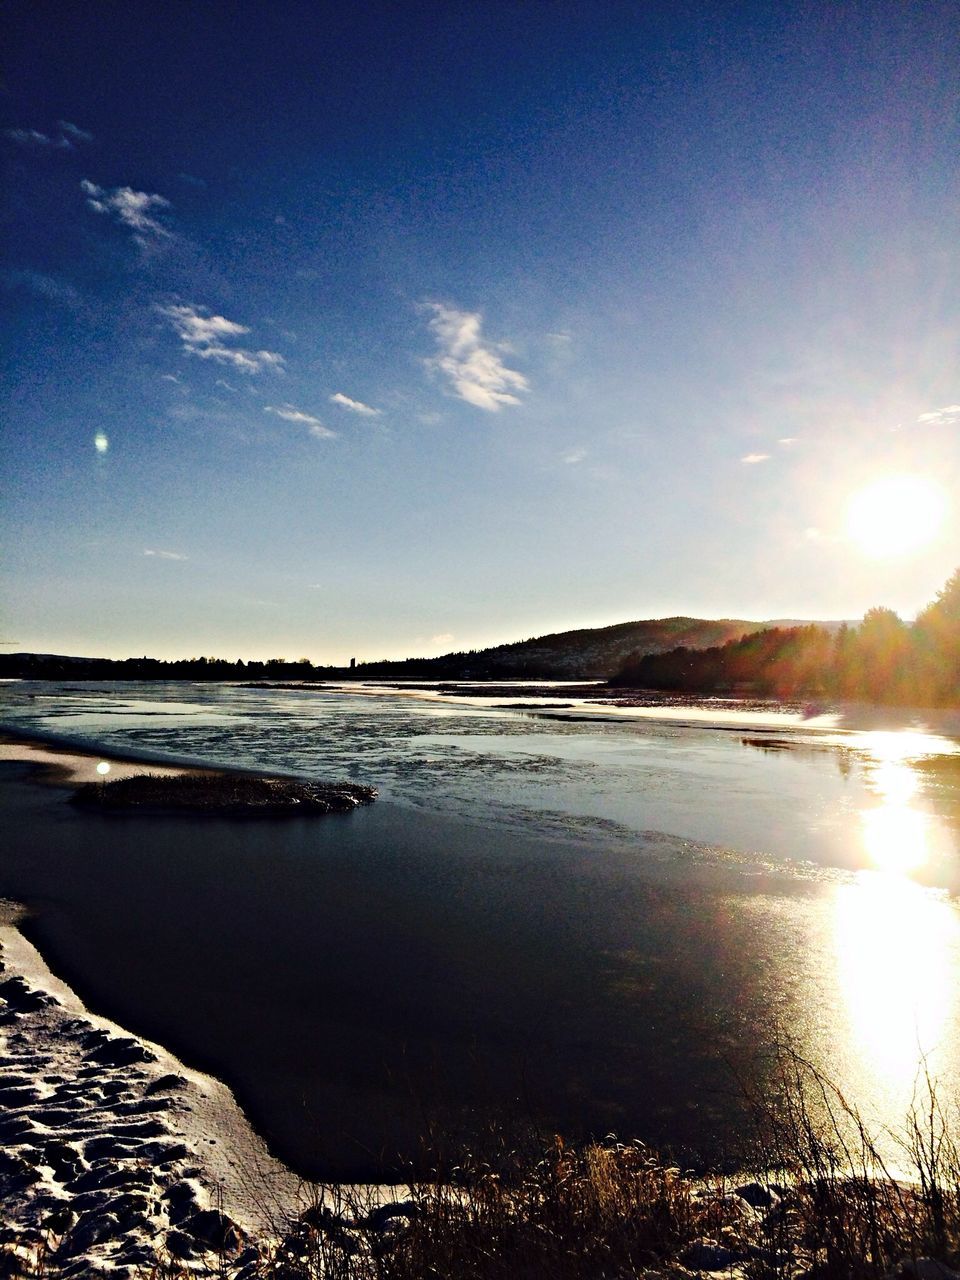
(42, 286)
(74, 132)
(573, 456)
(66, 140)
(290, 413)
(787, 442)
(208, 336)
(132, 209)
(945, 417)
(33, 138)
(472, 366)
(355, 406)
(164, 555)
(753, 458)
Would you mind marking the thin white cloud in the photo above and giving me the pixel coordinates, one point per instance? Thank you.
(948, 416)
(34, 138)
(786, 441)
(49, 287)
(74, 131)
(442, 640)
(472, 366)
(355, 406)
(207, 336)
(753, 458)
(132, 209)
(290, 413)
(164, 555)
(573, 456)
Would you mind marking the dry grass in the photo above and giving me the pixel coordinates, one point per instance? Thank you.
(818, 1203)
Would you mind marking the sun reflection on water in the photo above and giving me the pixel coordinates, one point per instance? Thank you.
(897, 942)
(897, 831)
(897, 945)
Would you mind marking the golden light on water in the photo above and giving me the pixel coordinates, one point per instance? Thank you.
(895, 515)
(898, 833)
(897, 941)
(897, 950)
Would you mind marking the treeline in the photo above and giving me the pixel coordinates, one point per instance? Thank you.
(883, 660)
(48, 666)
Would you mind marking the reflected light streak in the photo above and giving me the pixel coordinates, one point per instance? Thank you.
(897, 942)
(897, 833)
(897, 952)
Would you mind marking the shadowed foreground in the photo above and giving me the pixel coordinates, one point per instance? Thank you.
(820, 1203)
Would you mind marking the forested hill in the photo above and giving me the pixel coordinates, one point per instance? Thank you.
(883, 660)
(589, 653)
(592, 653)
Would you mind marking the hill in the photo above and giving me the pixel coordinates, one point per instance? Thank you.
(590, 653)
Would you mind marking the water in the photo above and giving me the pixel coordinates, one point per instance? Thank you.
(586, 916)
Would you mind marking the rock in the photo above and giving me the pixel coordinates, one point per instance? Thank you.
(705, 1255)
(757, 1196)
(213, 1230)
(22, 999)
(180, 1245)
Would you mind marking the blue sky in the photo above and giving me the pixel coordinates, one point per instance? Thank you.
(387, 329)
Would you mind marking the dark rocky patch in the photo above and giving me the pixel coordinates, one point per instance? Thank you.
(21, 998)
(234, 795)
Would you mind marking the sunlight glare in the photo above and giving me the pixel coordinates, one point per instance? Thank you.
(899, 835)
(896, 947)
(895, 515)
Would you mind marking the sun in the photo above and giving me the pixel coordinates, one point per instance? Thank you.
(895, 515)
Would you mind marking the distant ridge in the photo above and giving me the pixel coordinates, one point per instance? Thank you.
(587, 653)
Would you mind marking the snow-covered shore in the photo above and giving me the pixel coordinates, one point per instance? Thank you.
(114, 1152)
(115, 1157)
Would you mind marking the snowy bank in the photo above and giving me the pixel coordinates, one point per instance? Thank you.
(114, 1154)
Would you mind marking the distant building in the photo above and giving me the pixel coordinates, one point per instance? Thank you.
(353, 663)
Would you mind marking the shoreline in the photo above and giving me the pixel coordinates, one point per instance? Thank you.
(114, 1144)
(86, 1107)
(116, 1153)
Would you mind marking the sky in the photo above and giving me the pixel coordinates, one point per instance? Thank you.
(399, 328)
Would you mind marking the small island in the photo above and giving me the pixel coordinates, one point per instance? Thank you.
(222, 794)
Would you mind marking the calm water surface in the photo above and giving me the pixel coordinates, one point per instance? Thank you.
(588, 917)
